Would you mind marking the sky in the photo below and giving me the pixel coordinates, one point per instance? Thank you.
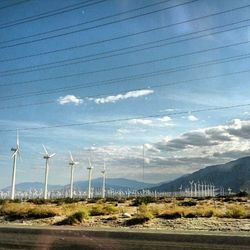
(103, 78)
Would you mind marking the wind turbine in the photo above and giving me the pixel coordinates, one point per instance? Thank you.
(191, 188)
(16, 152)
(104, 180)
(90, 175)
(72, 164)
(46, 156)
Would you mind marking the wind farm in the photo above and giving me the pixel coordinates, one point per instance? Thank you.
(122, 114)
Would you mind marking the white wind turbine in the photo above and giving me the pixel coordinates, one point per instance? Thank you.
(191, 188)
(16, 152)
(72, 164)
(46, 156)
(89, 168)
(104, 180)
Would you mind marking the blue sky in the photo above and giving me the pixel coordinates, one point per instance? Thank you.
(176, 143)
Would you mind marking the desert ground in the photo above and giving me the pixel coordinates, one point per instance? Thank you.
(226, 214)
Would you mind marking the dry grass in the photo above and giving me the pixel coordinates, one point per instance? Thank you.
(79, 211)
(76, 218)
(14, 211)
(103, 209)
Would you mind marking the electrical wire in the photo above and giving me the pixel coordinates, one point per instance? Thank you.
(33, 68)
(128, 35)
(166, 71)
(129, 90)
(97, 26)
(14, 4)
(129, 118)
(49, 13)
(84, 23)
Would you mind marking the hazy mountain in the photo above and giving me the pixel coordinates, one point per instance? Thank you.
(114, 183)
(234, 174)
(111, 183)
(24, 186)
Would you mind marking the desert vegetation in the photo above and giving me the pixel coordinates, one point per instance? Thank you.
(124, 213)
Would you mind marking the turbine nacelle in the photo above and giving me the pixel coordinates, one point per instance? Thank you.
(90, 165)
(72, 162)
(16, 150)
(47, 155)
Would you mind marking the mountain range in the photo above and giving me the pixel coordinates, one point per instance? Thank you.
(234, 175)
(111, 183)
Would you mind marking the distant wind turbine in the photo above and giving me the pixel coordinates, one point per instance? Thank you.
(16, 152)
(46, 156)
(90, 175)
(72, 164)
(104, 180)
(191, 188)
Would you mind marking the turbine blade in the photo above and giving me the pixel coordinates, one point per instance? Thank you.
(45, 150)
(14, 154)
(19, 155)
(89, 162)
(52, 155)
(71, 157)
(17, 138)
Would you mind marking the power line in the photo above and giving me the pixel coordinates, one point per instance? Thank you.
(129, 118)
(14, 4)
(169, 70)
(33, 68)
(84, 23)
(97, 26)
(133, 89)
(142, 63)
(49, 14)
(128, 35)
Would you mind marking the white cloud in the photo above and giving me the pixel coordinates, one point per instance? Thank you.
(156, 122)
(140, 121)
(115, 98)
(69, 99)
(165, 119)
(192, 118)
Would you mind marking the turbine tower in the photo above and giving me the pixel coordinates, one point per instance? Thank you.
(46, 156)
(90, 175)
(16, 152)
(72, 164)
(104, 180)
(191, 188)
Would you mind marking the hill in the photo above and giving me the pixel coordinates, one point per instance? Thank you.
(25, 186)
(114, 183)
(111, 183)
(234, 174)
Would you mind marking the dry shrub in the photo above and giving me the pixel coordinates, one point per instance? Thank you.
(235, 211)
(15, 211)
(143, 215)
(75, 218)
(103, 209)
(170, 215)
(144, 211)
